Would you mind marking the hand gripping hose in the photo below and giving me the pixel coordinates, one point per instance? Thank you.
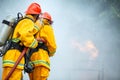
(17, 62)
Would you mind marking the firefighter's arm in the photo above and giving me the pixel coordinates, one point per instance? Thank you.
(27, 34)
(50, 38)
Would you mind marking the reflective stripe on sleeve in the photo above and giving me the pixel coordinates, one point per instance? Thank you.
(33, 43)
(36, 27)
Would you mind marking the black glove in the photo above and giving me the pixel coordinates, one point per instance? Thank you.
(28, 68)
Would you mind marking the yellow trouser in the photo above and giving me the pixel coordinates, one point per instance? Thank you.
(16, 75)
(39, 73)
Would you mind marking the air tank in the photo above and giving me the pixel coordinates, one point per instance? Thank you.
(6, 29)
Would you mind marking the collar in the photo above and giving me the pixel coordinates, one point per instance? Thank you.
(30, 16)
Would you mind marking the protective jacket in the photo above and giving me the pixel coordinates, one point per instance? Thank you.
(41, 57)
(24, 36)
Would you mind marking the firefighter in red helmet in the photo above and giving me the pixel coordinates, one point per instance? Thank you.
(23, 36)
(46, 49)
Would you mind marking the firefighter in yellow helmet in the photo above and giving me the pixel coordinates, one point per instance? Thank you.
(46, 48)
(23, 36)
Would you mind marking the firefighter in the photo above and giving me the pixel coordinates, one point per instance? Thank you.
(46, 48)
(23, 36)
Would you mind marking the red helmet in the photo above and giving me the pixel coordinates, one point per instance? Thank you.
(46, 15)
(34, 8)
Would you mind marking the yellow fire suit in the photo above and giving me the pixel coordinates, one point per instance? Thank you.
(24, 32)
(41, 58)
